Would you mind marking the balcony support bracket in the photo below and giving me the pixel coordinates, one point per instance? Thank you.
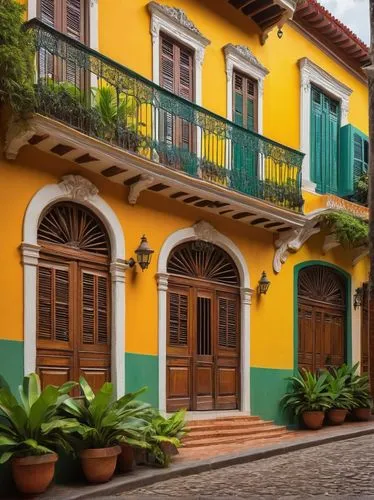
(18, 135)
(359, 254)
(330, 243)
(135, 189)
(293, 240)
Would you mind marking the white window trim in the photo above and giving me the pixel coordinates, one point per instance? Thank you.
(310, 74)
(204, 231)
(240, 58)
(175, 23)
(32, 11)
(79, 190)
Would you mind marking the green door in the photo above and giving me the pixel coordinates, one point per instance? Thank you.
(244, 164)
(324, 141)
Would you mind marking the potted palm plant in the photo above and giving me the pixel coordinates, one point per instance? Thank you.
(362, 400)
(31, 431)
(164, 437)
(102, 424)
(308, 398)
(340, 394)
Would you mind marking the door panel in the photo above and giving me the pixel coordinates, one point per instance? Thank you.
(203, 347)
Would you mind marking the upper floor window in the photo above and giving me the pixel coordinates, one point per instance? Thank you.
(176, 68)
(324, 141)
(245, 106)
(67, 16)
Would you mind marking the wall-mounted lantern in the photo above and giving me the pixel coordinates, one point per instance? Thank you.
(143, 255)
(358, 298)
(263, 284)
(280, 33)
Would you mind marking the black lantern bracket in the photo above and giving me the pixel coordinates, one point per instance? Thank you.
(358, 297)
(143, 255)
(263, 284)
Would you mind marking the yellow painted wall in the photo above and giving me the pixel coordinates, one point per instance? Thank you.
(130, 44)
(157, 217)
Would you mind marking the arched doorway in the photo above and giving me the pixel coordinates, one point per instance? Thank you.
(73, 296)
(203, 328)
(322, 315)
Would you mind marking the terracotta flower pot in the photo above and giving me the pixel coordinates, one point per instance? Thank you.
(313, 419)
(140, 455)
(34, 474)
(337, 415)
(98, 464)
(169, 449)
(126, 458)
(362, 414)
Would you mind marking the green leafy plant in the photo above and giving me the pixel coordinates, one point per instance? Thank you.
(164, 431)
(361, 392)
(362, 188)
(350, 231)
(16, 59)
(339, 388)
(309, 392)
(102, 421)
(33, 426)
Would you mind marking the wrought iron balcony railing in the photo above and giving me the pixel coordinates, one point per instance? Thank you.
(103, 99)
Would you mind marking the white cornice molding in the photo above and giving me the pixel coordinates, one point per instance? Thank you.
(311, 73)
(241, 58)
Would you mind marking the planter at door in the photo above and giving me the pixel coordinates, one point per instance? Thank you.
(98, 464)
(337, 415)
(313, 419)
(362, 414)
(126, 458)
(34, 474)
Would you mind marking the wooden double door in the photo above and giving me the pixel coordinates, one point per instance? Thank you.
(321, 318)
(73, 298)
(203, 346)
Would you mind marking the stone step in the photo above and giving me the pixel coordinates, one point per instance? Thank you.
(217, 421)
(240, 432)
(219, 426)
(214, 441)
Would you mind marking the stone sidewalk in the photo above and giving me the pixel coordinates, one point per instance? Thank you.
(209, 459)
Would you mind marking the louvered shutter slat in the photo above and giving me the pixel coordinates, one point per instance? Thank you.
(73, 19)
(178, 319)
(227, 322)
(45, 303)
(167, 65)
(88, 308)
(47, 12)
(102, 310)
(62, 305)
(185, 74)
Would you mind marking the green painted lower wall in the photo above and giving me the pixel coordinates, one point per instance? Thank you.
(267, 387)
(11, 363)
(141, 370)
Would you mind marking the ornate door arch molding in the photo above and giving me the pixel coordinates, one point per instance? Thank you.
(82, 191)
(206, 232)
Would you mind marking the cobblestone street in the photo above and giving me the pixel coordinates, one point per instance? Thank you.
(339, 470)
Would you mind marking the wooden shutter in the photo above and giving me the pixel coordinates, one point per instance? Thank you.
(47, 12)
(53, 303)
(94, 308)
(178, 303)
(228, 322)
(324, 141)
(245, 102)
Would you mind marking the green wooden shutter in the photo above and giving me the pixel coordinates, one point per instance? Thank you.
(238, 100)
(324, 142)
(354, 157)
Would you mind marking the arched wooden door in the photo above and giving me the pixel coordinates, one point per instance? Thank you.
(203, 338)
(73, 297)
(322, 313)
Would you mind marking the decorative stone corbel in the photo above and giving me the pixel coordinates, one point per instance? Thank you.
(205, 231)
(292, 241)
(135, 189)
(359, 254)
(330, 243)
(18, 135)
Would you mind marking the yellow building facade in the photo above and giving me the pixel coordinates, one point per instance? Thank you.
(77, 198)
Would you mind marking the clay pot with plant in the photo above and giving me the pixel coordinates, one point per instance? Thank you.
(31, 431)
(362, 399)
(102, 424)
(308, 398)
(340, 394)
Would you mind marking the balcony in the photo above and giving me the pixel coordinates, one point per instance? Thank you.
(103, 100)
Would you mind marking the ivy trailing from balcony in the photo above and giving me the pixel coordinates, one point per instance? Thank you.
(349, 230)
(17, 50)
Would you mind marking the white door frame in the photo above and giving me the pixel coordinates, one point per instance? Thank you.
(206, 232)
(80, 190)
